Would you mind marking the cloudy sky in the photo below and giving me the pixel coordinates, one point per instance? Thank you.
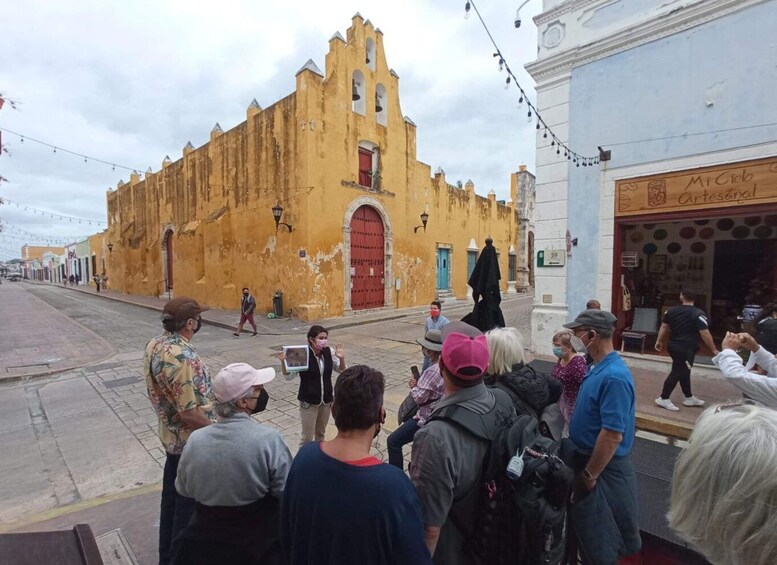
(131, 82)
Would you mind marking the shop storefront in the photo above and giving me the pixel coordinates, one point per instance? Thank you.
(712, 230)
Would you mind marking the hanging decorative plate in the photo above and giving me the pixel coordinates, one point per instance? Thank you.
(725, 224)
(688, 232)
(752, 220)
(698, 247)
(740, 232)
(701, 222)
(636, 237)
(649, 248)
(706, 233)
(673, 247)
(762, 232)
(660, 234)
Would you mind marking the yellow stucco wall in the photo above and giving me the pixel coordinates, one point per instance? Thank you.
(301, 152)
(37, 251)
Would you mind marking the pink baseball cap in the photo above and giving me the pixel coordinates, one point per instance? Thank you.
(464, 351)
(234, 380)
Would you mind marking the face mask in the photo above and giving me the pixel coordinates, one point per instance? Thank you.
(261, 402)
(558, 352)
(321, 343)
(199, 325)
(434, 313)
(245, 294)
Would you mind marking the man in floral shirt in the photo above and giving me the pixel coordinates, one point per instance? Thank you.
(181, 392)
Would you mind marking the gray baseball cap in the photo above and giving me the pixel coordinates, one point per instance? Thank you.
(594, 319)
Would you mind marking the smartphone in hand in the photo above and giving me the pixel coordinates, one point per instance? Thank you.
(414, 370)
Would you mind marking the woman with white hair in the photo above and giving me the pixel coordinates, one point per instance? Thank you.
(531, 392)
(724, 488)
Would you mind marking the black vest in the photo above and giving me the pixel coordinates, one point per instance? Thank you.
(310, 380)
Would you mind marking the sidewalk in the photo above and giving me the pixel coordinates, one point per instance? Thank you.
(279, 326)
(42, 341)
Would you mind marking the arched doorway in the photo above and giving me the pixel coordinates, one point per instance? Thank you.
(168, 248)
(367, 259)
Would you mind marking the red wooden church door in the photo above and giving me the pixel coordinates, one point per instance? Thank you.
(367, 259)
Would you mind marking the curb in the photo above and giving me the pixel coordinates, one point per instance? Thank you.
(662, 426)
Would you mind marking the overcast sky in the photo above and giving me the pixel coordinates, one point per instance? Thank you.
(131, 82)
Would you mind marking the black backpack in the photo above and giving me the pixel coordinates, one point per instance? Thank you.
(518, 521)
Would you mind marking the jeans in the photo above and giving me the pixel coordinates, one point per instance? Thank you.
(402, 435)
(175, 513)
(682, 361)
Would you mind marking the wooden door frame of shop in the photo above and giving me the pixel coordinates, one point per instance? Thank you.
(619, 227)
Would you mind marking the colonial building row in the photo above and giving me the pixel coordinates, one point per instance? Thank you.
(320, 196)
(84, 259)
(678, 95)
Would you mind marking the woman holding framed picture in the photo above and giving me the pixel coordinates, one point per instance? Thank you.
(315, 383)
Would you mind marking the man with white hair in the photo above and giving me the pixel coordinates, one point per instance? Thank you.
(761, 388)
(235, 470)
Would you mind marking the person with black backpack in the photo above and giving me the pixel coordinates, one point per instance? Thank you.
(492, 489)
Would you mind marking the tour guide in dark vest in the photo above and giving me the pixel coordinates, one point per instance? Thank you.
(315, 385)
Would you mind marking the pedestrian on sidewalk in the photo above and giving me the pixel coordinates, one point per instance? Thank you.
(181, 393)
(343, 506)
(247, 307)
(593, 304)
(426, 392)
(237, 517)
(315, 383)
(684, 323)
(601, 434)
(435, 321)
(72, 279)
(570, 370)
(96, 280)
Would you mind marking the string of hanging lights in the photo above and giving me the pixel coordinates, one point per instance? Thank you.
(53, 215)
(58, 149)
(532, 114)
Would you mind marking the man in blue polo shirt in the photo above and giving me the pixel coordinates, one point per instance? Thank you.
(604, 505)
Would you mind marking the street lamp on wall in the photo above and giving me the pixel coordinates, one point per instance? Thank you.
(110, 248)
(424, 219)
(277, 212)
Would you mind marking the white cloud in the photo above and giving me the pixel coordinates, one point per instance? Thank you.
(132, 82)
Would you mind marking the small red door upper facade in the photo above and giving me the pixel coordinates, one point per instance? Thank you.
(367, 259)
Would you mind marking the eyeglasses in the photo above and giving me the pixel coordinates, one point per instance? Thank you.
(722, 407)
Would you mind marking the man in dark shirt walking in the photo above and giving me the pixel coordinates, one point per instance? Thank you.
(684, 324)
(247, 307)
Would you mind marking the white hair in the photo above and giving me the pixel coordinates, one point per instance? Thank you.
(724, 487)
(227, 409)
(505, 347)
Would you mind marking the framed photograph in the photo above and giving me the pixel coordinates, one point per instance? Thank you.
(296, 358)
(657, 264)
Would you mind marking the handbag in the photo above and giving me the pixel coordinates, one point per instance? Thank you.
(407, 409)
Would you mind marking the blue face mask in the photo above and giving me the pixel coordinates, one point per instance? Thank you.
(558, 352)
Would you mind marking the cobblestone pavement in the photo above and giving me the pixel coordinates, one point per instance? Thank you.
(92, 432)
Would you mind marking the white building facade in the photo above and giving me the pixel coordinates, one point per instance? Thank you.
(681, 93)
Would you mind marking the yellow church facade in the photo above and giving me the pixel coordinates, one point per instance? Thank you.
(319, 195)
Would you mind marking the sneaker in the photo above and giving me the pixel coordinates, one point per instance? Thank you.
(254, 334)
(236, 334)
(693, 401)
(666, 403)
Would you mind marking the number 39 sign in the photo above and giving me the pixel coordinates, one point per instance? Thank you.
(551, 258)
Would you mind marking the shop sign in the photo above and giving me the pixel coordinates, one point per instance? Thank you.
(722, 186)
(551, 258)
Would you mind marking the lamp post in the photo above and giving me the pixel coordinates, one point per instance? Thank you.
(424, 219)
(110, 248)
(277, 212)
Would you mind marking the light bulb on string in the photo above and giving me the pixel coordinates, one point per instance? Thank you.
(55, 150)
(538, 125)
(507, 82)
(467, 7)
(545, 135)
(558, 150)
(22, 140)
(553, 142)
(501, 64)
(84, 159)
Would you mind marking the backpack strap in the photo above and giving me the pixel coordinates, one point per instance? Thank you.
(483, 426)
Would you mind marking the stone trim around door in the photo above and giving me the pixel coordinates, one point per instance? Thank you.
(388, 243)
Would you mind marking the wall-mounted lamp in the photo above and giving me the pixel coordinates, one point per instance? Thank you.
(604, 154)
(277, 211)
(424, 219)
(110, 248)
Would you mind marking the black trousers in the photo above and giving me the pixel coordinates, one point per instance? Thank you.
(682, 361)
(176, 511)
